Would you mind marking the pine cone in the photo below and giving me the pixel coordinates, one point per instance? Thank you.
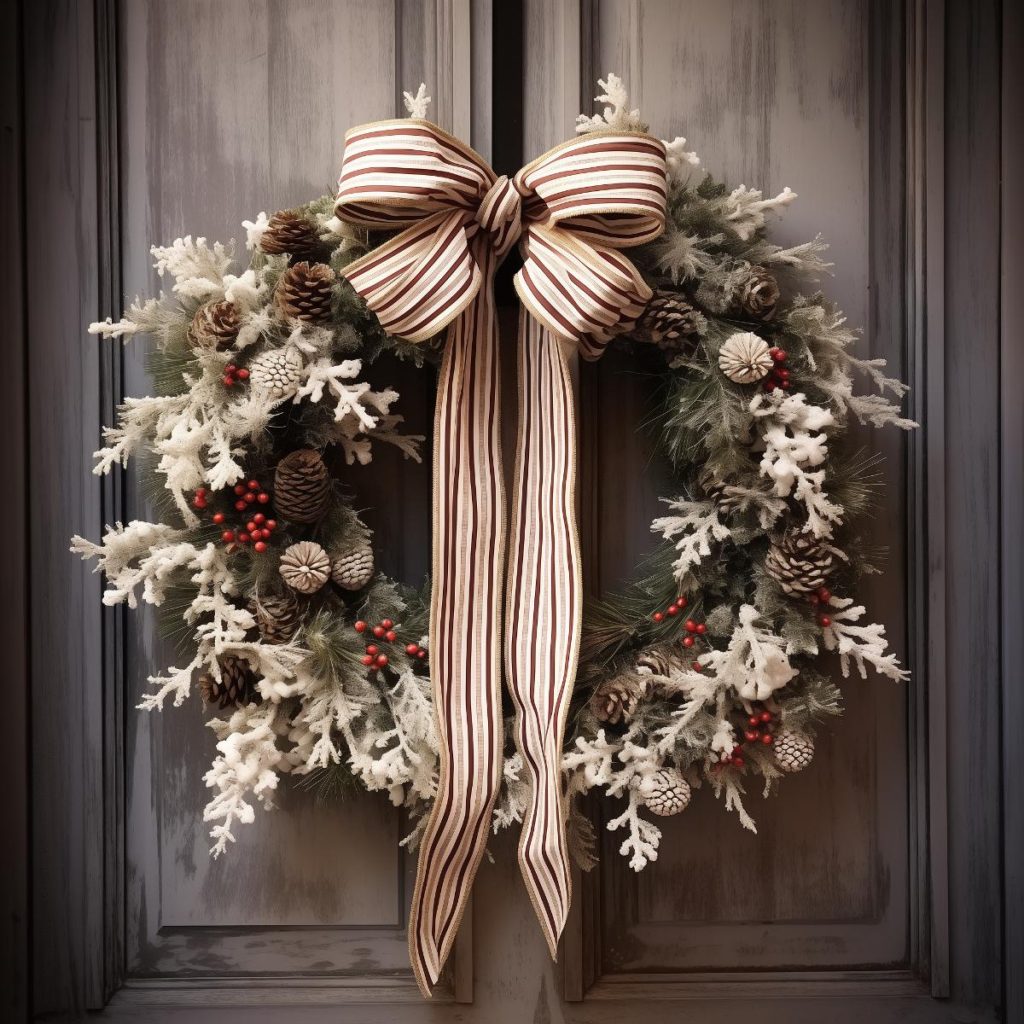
(615, 700)
(301, 486)
(290, 233)
(726, 497)
(305, 567)
(799, 563)
(793, 751)
(665, 792)
(671, 323)
(276, 372)
(214, 326)
(237, 685)
(758, 295)
(277, 616)
(306, 291)
(354, 569)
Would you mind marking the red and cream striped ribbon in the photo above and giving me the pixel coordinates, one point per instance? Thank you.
(571, 211)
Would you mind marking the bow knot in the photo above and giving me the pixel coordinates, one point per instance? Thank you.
(500, 214)
(572, 211)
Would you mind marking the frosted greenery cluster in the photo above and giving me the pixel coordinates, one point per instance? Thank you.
(254, 363)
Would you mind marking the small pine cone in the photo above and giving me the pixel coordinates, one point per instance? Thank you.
(758, 295)
(276, 372)
(793, 751)
(615, 700)
(305, 567)
(236, 687)
(354, 569)
(665, 792)
(214, 326)
(277, 616)
(726, 497)
(290, 233)
(799, 563)
(306, 292)
(671, 323)
(658, 662)
(302, 486)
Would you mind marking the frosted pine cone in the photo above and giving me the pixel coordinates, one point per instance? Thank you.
(290, 233)
(354, 569)
(758, 295)
(306, 292)
(799, 563)
(277, 616)
(276, 373)
(726, 497)
(305, 567)
(615, 700)
(745, 358)
(236, 687)
(214, 326)
(794, 751)
(671, 323)
(665, 792)
(302, 486)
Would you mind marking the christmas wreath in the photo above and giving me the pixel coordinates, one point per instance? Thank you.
(708, 669)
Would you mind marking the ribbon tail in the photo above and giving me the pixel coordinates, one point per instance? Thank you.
(544, 611)
(465, 631)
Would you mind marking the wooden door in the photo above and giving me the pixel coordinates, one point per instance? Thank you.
(208, 111)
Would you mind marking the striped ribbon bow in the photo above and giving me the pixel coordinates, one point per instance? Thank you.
(571, 211)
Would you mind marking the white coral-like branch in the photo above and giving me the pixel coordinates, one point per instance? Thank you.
(746, 209)
(418, 105)
(862, 644)
(616, 116)
(697, 526)
(198, 269)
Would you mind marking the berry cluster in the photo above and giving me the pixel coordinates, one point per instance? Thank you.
(692, 627)
(233, 374)
(778, 376)
(256, 531)
(672, 610)
(374, 658)
(756, 729)
(822, 596)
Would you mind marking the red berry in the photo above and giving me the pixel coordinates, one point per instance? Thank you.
(784, 374)
(228, 381)
(243, 538)
(218, 517)
(698, 667)
(391, 636)
(421, 653)
(766, 738)
(367, 659)
(379, 631)
(691, 626)
(239, 488)
(784, 384)
(260, 546)
(372, 649)
(769, 385)
(387, 623)
(736, 750)
(259, 519)
(681, 602)
(240, 505)
(672, 610)
(228, 536)
(751, 735)
(737, 760)
(263, 497)
(825, 621)
(813, 599)
(688, 641)
(411, 649)
(199, 502)
(265, 533)
(701, 628)
(778, 354)
(200, 492)
(250, 498)
(230, 368)
(250, 526)
(254, 485)
(360, 626)
(824, 594)
(657, 616)
(271, 524)
(243, 374)
(382, 660)
(754, 719)
(765, 716)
